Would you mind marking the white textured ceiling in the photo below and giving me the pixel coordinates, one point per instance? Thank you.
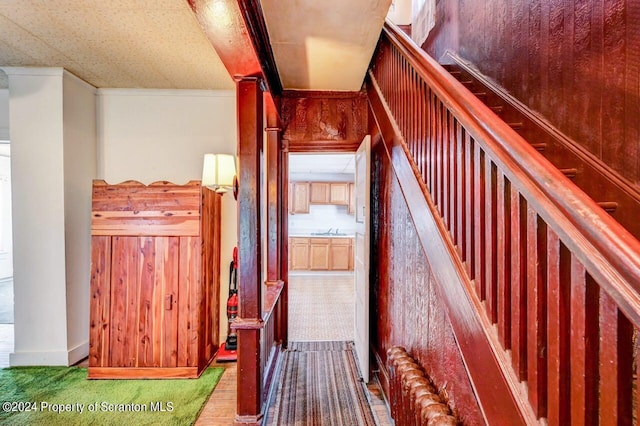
(159, 44)
(324, 45)
(322, 163)
(112, 43)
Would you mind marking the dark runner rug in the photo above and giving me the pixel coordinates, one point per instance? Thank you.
(320, 385)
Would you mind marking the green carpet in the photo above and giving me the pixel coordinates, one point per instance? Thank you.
(64, 396)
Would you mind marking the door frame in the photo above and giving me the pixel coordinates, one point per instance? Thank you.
(284, 212)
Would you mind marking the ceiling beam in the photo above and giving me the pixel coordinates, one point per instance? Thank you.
(238, 33)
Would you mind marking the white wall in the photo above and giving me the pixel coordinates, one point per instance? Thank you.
(320, 218)
(80, 168)
(36, 122)
(152, 135)
(6, 243)
(4, 114)
(6, 240)
(400, 12)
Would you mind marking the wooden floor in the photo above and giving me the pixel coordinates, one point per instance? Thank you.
(221, 406)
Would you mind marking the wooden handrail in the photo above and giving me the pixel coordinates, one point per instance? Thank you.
(540, 283)
(607, 250)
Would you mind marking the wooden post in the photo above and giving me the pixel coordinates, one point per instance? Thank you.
(274, 192)
(284, 243)
(249, 321)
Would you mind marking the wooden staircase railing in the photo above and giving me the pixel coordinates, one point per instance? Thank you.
(554, 280)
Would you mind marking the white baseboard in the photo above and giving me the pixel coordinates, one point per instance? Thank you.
(78, 353)
(59, 358)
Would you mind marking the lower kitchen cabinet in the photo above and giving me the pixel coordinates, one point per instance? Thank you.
(340, 254)
(298, 254)
(320, 254)
(319, 249)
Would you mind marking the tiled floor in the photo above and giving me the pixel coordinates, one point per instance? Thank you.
(321, 307)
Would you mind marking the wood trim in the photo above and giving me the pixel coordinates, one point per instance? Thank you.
(229, 37)
(383, 374)
(284, 242)
(324, 146)
(273, 198)
(248, 324)
(146, 372)
(272, 296)
(259, 36)
(315, 94)
(248, 420)
(568, 151)
(608, 251)
(486, 365)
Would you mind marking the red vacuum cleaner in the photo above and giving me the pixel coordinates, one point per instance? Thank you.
(228, 350)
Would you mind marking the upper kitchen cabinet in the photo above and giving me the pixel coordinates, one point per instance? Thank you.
(339, 193)
(336, 193)
(320, 192)
(299, 198)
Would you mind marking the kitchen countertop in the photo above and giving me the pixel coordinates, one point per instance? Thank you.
(320, 236)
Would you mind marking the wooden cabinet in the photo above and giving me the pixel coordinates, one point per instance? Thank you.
(320, 193)
(340, 254)
(299, 198)
(319, 254)
(302, 194)
(339, 193)
(155, 280)
(299, 254)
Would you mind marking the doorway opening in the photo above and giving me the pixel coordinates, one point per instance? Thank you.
(321, 226)
(6, 240)
(6, 257)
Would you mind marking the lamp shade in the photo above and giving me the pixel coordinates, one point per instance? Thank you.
(218, 170)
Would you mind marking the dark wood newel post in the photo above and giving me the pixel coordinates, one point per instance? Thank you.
(248, 324)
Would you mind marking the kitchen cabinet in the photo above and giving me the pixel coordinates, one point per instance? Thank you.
(339, 193)
(340, 254)
(302, 194)
(299, 198)
(299, 254)
(319, 254)
(320, 192)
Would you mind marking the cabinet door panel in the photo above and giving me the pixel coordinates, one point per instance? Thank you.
(319, 193)
(319, 254)
(340, 254)
(299, 198)
(299, 254)
(339, 193)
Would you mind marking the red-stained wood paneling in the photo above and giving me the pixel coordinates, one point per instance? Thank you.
(571, 337)
(576, 62)
(406, 307)
(324, 121)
